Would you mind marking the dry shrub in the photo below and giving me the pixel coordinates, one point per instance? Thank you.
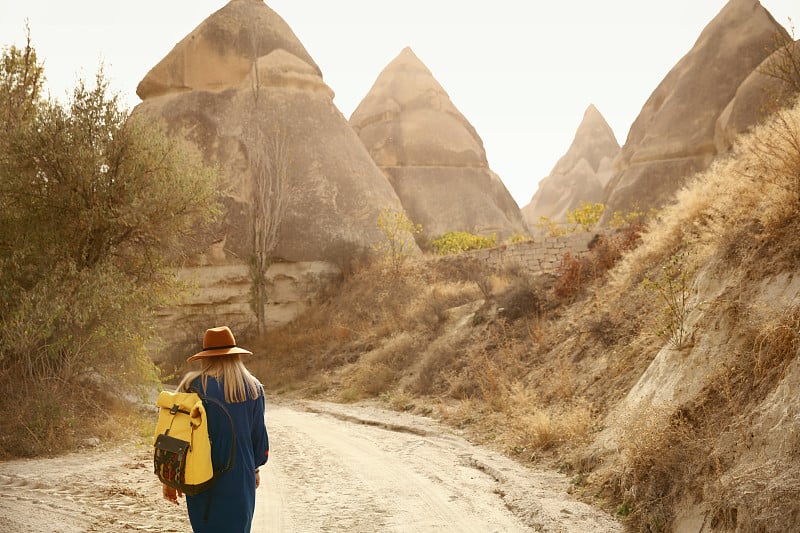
(369, 308)
(464, 413)
(572, 274)
(757, 497)
(368, 380)
(435, 364)
(465, 268)
(770, 343)
(561, 383)
(56, 417)
(376, 372)
(663, 456)
(773, 152)
(576, 272)
(401, 400)
(776, 345)
(531, 428)
(604, 328)
(490, 368)
(520, 298)
(431, 308)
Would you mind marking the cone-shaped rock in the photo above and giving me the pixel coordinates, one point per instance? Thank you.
(772, 85)
(432, 155)
(244, 71)
(673, 136)
(244, 91)
(579, 175)
(220, 52)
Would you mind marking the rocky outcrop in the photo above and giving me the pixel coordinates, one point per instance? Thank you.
(673, 136)
(431, 154)
(774, 84)
(221, 295)
(243, 90)
(579, 175)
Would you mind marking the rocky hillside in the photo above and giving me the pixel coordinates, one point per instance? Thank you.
(660, 370)
(432, 155)
(579, 175)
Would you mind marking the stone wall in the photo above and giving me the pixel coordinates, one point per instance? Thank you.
(540, 256)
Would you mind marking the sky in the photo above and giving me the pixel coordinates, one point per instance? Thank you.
(522, 72)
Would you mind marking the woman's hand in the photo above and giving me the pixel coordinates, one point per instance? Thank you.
(171, 494)
(258, 478)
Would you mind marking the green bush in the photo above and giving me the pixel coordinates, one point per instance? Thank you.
(94, 205)
(518, 238)
(586, 215)
(455, 242)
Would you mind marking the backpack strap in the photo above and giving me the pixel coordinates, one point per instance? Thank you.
(231, 454)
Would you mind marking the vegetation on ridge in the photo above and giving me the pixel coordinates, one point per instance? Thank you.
(93, 204)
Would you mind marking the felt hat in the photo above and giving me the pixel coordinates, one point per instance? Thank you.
(219, 341)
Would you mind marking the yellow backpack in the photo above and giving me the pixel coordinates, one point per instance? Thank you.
(181, 445)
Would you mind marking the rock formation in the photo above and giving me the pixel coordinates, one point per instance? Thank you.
(771, 86)
(242, 89)
(673, 136)
(431, 154)
(579, 175)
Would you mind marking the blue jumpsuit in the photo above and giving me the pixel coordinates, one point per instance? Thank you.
(228, 506)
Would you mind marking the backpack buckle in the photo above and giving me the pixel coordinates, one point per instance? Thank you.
(174, 409)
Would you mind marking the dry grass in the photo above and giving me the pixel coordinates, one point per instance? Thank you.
(757, 497)
(54, 418)
(663, 456)
(498, 354)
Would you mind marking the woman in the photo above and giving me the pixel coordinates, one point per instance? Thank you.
(228, 505)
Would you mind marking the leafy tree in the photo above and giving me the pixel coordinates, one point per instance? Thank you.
(586, 215)
(398, 232)
(21, 79)
(93, 204)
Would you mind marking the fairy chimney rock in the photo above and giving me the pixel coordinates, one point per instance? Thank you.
(774, 84)
(243, 90)
(431, 154)
(674, 135)
(579, 175)
(219, 53)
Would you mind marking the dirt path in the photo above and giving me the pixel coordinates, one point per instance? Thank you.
(333, 468)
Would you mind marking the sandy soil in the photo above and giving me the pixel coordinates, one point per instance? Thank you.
(333, 468)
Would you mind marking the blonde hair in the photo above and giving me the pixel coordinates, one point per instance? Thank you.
(238, 382)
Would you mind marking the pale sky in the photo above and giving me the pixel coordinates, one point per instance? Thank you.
(521, 72)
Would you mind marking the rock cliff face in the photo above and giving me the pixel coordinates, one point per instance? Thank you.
(579, 175)
(431, 154)
(673, 136)
(772, 85)
(243, 90)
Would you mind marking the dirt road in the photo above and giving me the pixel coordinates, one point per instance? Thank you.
(333, 468)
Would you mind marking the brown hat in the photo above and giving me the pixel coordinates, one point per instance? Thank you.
(219, 341)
